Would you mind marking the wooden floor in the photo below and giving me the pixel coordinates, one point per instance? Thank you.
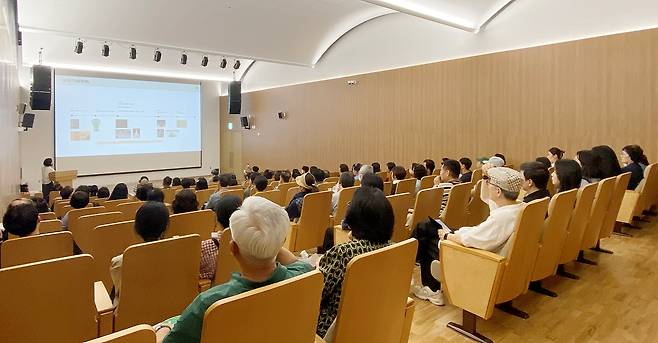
(616, 301)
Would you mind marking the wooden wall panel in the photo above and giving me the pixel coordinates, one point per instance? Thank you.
(573, 95)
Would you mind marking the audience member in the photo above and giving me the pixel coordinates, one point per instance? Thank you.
(175, 182)
(398, 173)
(268, 174)
(589, 164)
(259, 229)
(447, 178)
(466, 174)
(308, 185)
(430, 166)
(142, 191)
(370, 218)
(536, 177)
(255, 169)
(224, 181)
(343, 168)
(103, 192)
(155, 194)
(390, 166)
(93, 190)
(363, 170)
(201, 184)
(144, 180)
(166, 182)
(567, 175)
(184, 201)
(631, 156)
(79, 199)
(285, 176)
(346, 180)
(225, 207)
(277, 175)
(419, 173)
(20, 219)
(318, 174)
(376, 167)
(215, 178)
(554, 154)
(187, 182)
(372, 180)
(260, 182)
(40, 204)
(609, 164)
(502, 157)
(295, 173)
(544, 160)
(120, 191)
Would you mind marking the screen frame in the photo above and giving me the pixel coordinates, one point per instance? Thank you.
(98, 74)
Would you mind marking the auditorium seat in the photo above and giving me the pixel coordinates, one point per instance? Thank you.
(400, 204)
(202, 196)
(291, 193)
(308, 232)
(406, 186)
(577, 226)
(49, 301)
(283, 187)
(325, 186)
(378, 316)
(58, 207)
(108, 241)
(554, 233)
(477, 210)
(610, 220)
(129, 209)
(454, 214)
(600, 206)
(383, 175)
(476, 280)
(159, 279)
(344, 198)
(169, 194)
(226, 263)
(428, 204)
(238, 192)
(287, 311)
(48, 226)
(111, 205)
(201, 222)
(84, 226)
(388, 186)
(47, 216)
(36, 248)
(636, 201)
(137, 334)
(476, 176)
(427, 182)
(273, 196)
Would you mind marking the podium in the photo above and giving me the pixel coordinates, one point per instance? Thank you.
(64, 177)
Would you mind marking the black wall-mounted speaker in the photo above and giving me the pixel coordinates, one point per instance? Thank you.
(40, 101)
(244, 122)
(234, 97)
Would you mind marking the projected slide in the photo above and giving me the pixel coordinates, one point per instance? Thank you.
(110, 125)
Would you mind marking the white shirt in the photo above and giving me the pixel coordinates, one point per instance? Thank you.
(493, 234)
(44, 174)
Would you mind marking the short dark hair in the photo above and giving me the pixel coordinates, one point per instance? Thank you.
(420, 171)
(93, 190)
(502, 157)
(390, 165)
(372, 180)
(609, 165)
(234, 179)
(268, 174)
(537, 172)
(224, 180)
(318, 174)
(187, 182)
(201, 184)
(305, 169)
(255, 169)
(66, 192)
(166, 181)
(356, 167)
(466, 162)
(225, 207)
(285, 176)
(79, 199)
(21, 217)
(185, 201)
(48, 162)
(141, 193)
(557, 152)
(569, 174)
(176, 181)
(453, 167)
(429, 165)
(295, 173)
(346, 179)
(260, 182)
(151, 220)
(215, 178)
(103, 192)
(120, 191)
(589, 163)
(41, 204)
(399, 172)
(83, 188)
(376, 168)
(144, 177)
(370, 215)
(155, 194)
(253, 175)
(544, 160)
(634, 152)
(343, 168)
(277, 175)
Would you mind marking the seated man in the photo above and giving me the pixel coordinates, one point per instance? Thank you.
(536, 178)
(224, 181)
(21, 219)
(346, 180)
(501, 189)
(448, 177)
(259, 230)
(79, 199)
(260, 182)
(466, 173)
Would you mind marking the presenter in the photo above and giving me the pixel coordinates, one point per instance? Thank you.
(47, 184)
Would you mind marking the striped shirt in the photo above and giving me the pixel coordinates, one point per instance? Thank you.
(447, 187)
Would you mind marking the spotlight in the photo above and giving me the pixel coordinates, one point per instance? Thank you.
(106, 50)
(157, 56)
(237, 64)
(78, 47)
(133, 53)
(204, 61)
(222, 63)
(183, 58)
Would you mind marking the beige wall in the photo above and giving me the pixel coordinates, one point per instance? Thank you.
(9, 149)
(573, 95)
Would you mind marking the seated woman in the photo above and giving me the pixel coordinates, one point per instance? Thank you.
(185, 201)
(307, 182)
(567, 175)
(609, 164)
(210, 247)
(419, 172)
(201, 184)
(631, 156)
(590, 166)
(370, 217)
(120, 191)
(554, 154)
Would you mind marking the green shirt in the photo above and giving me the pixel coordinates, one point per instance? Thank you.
(188, 327)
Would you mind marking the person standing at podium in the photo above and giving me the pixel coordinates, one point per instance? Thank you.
(47, 184)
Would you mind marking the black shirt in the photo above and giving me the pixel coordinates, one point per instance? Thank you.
(540, 194)
(466, 177)
(636, 175)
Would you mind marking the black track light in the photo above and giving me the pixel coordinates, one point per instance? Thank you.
(222, 63)
(106, 50)
(157, 56)
(204, 61)
(78, 47)
(133, 53)
(183, 58)
(237, 64)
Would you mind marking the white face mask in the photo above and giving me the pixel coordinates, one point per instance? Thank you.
(485, 196)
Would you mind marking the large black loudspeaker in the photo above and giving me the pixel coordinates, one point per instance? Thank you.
(234, 97)
(41, 88)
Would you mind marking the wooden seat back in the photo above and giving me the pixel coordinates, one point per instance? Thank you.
(299, 297)
(406, 186)
(273, 196)
(428, 204)
(291, 194)
(202, 196)
(82, 231)
(24, 250)
(388, 186)
(621, 183)
(58, 207)
(400, 204)
(598, 211)
(427, 182)
(476, 176)
(367, 316)
(309, 231)
(344, 198)
(383, 175)
(454, 214)
(283, 187)
(333, 179)
(159, 280)
(169, 194)
(111, 205)
(226, 263)
(75, 214)
(55, 295)
(129, 209)
(578, 223)
(49, 226)
(325, 186)
(108, 241)
(47, 216)
(201, 222)
(238, 192)
(477, 210)
(554, 233)
(137, 334)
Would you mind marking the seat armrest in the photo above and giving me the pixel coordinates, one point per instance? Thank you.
(471, 277)
(101, 298)
(319, 339)
(291, 239)
(628, 206)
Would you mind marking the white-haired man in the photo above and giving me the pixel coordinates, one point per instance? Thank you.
(259, 230)
(365, 169)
